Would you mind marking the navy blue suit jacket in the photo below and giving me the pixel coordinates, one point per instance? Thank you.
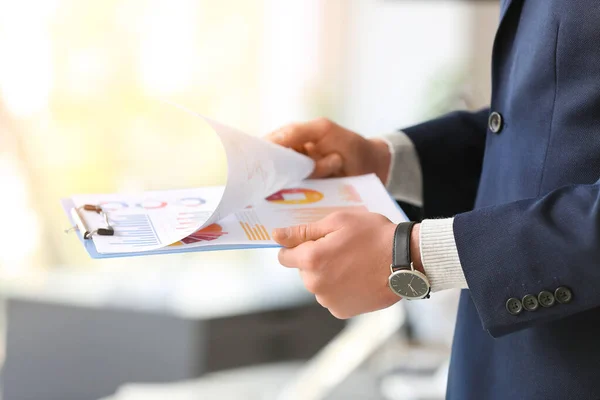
(527, 206)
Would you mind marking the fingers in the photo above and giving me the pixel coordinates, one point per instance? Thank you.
(321, 300)
(297, 135)
(330, 165)
(316, 139)
(310, 150)
(305, 257)
(325, 166)
(294, 136)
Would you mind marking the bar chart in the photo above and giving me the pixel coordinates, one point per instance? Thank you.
(349, 193)
(251, 225)
(133, 229)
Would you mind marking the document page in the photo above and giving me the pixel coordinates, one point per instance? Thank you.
(153, 220)
(307, 202)
(140, 220)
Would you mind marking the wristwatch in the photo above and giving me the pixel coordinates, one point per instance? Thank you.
(404, 280)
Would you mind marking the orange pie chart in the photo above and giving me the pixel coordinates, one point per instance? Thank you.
(295, 196)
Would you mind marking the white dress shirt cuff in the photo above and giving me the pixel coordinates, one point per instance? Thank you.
(405, 180)
(440, 255)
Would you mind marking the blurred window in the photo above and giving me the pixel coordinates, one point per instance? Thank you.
(74, 73)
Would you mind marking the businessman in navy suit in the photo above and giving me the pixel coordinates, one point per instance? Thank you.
(511, 200)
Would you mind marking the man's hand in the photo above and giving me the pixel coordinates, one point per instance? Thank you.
(344, 259)
(336, 151)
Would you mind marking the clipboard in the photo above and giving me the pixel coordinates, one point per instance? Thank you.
(68, 206)
(95, 232)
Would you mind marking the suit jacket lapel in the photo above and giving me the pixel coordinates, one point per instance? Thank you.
(504, 6)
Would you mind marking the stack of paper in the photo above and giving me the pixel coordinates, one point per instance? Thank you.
(265, 190)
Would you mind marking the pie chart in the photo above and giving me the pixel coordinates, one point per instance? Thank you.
(295, 196)
(211, 232)
(192, 201)
(152, 204)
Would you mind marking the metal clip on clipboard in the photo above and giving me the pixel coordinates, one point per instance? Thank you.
(77, 214)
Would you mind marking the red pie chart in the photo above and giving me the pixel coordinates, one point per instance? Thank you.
(151, 204)
(211, 232)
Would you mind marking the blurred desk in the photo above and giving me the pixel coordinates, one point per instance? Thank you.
(78, 335)
(261, 382)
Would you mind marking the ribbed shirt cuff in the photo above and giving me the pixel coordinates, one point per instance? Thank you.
(405, 181)
(440, 255)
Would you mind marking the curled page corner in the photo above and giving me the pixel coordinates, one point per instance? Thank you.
(256, 168)
(156, 220)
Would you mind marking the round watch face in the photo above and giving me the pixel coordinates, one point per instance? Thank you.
(410, 285)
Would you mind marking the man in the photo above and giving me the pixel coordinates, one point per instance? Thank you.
(511, 198)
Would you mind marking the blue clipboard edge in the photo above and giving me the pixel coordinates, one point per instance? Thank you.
(67, 205)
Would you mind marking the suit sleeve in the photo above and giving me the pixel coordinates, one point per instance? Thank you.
(525, 247)
(450, 151)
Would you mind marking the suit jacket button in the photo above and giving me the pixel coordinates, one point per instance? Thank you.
(495, 122)
(563, 294)
(530, 302)
(514, 306)
(546, 298)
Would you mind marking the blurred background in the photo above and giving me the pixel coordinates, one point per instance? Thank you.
(72, 77)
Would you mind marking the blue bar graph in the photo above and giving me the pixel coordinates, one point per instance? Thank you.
(134, 229)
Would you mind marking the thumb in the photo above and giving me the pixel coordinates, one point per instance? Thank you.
(296, 235)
